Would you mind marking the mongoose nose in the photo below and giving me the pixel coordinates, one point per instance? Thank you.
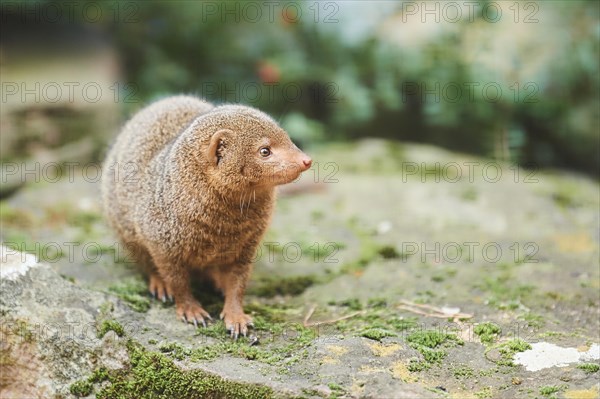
(307, 162)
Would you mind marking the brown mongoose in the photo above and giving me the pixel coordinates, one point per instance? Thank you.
(187, 186)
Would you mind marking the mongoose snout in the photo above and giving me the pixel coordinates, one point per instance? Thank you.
(201, 196)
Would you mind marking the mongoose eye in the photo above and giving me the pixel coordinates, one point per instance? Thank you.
(265, 151)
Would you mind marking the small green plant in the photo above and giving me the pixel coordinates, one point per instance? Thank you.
(377, 303)
(352, 304)
(487, 332)
(463, 372)
(376, 334)
(485, 393)
(430, 343)
(388, 252)
(552, 389)
(134, 292)
(508, 349)
(415, 366)
(403, 324)
(81, 388)
(589, 367)
(336, 390)
(110, 325)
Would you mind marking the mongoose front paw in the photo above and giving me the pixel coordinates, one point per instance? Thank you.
(191, 311)
(236, 323)
(159, 289)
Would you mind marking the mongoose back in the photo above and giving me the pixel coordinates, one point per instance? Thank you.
(188, 185)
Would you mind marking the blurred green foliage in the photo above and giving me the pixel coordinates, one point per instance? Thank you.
(324, 83)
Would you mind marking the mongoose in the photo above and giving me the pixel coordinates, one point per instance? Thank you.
(188, 185)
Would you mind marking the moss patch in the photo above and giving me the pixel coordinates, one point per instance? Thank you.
(507, 351)
(352, 304)
(81, 388)
(487, 332)
(376, 334)
(388, 252)
(154, 375)
(504, 294)
(463, 372)
(589, 367)
(430, 344)
(552, 389)
(134, 292)
(110, 325)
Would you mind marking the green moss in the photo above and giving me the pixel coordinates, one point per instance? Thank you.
(430, 343)
(99, 375)
(110, 325)
(134, 292)
(433, 339)
(552, 389)
(415, 366)
(270, 287)
(377, 303)
(533, 320)
(352, 304)
(376, 334)
(463, 372)
(154, 375)
(388, 252)
(402, 324)
(503, 293)
(487, 332)
(507, 351)
(175, 350)
(589, 367)
(81, 388)
(484, 393)
(336, 390)
(280, 341)
(24, 242)
(106, 308)
(369, 251)
(85, 220)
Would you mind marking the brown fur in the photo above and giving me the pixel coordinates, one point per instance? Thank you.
(200, 195)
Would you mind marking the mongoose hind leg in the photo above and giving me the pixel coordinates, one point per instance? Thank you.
(156, 286)
(175, 278)
(232, 281)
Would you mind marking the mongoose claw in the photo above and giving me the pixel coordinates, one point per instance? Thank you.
(158, 289)
(192, 312)
(236, 324)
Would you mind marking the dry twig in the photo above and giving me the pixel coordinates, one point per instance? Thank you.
(312, 309)
(432, 311)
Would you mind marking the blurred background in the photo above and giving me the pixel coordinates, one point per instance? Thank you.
(516, 82)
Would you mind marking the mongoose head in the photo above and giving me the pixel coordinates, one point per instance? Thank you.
(245, 148)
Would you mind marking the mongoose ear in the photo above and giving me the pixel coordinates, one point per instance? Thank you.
(218, 145)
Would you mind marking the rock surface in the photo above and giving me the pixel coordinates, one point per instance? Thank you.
(353, 294)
